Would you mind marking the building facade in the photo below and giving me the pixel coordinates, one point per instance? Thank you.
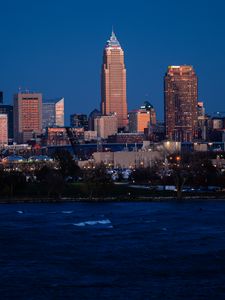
(180, 103)
(142, 119)
(113, 82)
(106, 125)
(53, 113)
(8, 110)
(27, 116)
(3, 129)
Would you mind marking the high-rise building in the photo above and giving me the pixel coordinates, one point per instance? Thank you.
(106, 125)
(180, 96)
(142, 119)
(53, 113)
(91, 123)
(27, 116)
(3, 129)
(113, 82)
(8, 110)
(1, 97)
(79, 120)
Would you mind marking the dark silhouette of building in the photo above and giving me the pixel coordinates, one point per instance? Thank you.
(1, 97)
(78, 121)
(180, 96)
(91, 119)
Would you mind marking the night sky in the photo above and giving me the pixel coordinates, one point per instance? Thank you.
(55, 47)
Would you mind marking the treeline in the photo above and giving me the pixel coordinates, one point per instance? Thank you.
(68, 180)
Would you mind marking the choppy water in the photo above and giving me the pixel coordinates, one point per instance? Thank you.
(113, 251)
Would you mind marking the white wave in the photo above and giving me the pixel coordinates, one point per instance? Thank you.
(67, 211)
(92, 223)
(81, 224)
(19, 211)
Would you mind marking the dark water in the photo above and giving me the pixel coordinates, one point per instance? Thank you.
(113, 251)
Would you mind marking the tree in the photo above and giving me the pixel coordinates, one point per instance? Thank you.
(67, 165)
(51, 180)
(96, 181)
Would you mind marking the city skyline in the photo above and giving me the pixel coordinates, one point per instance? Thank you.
(153, 36)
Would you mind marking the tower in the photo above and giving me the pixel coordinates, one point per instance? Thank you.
(27, 116)
(53, 113)
(180, 103)
(113, 82)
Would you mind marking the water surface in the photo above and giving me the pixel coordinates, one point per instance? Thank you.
(98, 251)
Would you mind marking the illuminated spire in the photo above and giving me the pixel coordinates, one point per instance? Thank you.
(113, 42)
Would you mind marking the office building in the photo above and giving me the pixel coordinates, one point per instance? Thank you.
(3, 129)
(53, 113)
(142, 119)
(113, 82)
(106, 125)
(180, 103)
(8, 110)
(27, 116)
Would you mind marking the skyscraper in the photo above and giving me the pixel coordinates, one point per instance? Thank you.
(113, 82)
(27, 116)
(53, 113)
(180, 107)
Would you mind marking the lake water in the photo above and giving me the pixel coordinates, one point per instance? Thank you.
(115, 251)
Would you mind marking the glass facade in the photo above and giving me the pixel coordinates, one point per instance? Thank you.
(53, 113)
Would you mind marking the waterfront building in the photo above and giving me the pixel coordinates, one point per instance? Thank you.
(3, 129)
(142, 119)
(8, 110)
(79, 120)
(94, 114)
(113, 82)
(53, 113)
(106, 125)
(27, 116)
(180, 103)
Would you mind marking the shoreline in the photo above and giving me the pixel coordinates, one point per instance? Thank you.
(54, 200)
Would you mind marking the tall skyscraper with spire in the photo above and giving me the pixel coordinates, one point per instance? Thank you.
(113, 82)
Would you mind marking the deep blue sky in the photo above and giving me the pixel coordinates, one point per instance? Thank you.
(55, 47)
